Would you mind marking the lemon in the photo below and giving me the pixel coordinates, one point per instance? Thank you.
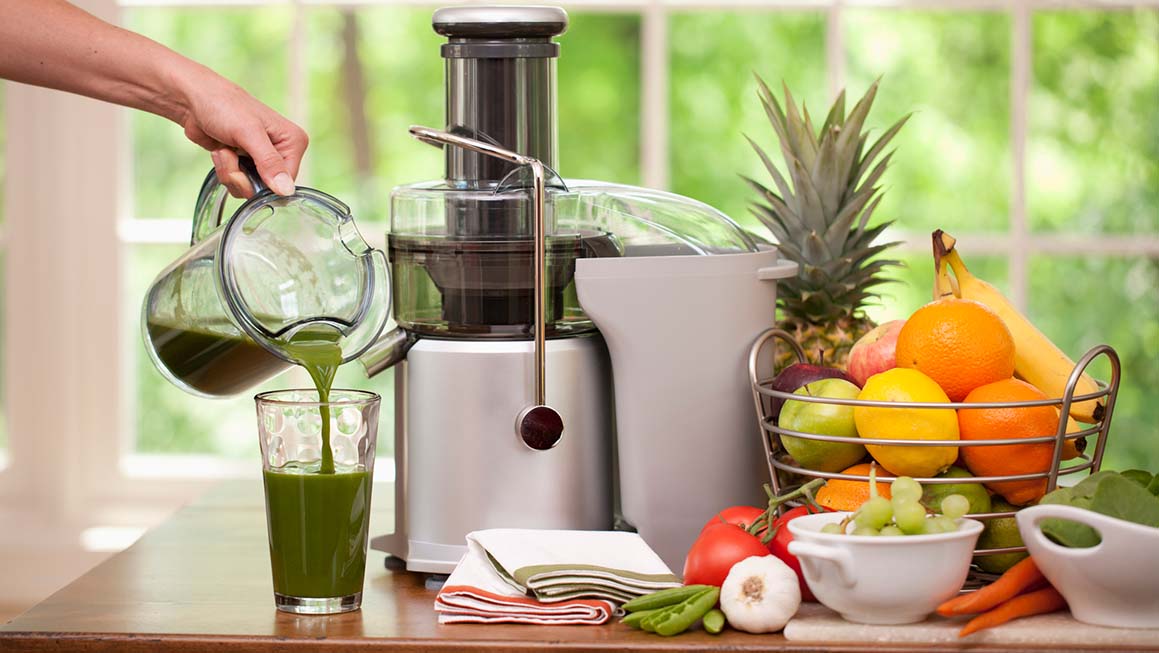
(999, 534)
(907, 385)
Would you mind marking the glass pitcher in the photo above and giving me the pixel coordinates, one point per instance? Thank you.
(217, 321)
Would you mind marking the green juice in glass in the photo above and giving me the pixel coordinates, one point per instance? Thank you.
(318, 514)
(318, 529)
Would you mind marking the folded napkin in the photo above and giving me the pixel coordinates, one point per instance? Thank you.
(474, 593)
(546, 576)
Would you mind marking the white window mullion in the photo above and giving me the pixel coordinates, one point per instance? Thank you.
(1020, 78)
(835, 48)
(299, 85)
(654, 96)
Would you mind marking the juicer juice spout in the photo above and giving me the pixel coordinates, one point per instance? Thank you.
(389, 350)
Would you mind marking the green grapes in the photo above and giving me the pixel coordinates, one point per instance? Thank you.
(874, 513)
(905, 489)
(955, 506)
(939, 524)
(910, 517)
(903, 514)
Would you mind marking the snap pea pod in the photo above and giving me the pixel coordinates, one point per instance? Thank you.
(648, 624)
(633, 619)
(713, 622)
(664, 598)
(684, 615)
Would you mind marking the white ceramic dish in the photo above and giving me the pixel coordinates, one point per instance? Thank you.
(1115, 583)
(882, 580)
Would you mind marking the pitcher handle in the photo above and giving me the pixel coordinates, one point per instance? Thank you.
(1030, 521)
(211, 199)
(839, 557)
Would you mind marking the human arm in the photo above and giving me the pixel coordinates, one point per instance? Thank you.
(54, 44)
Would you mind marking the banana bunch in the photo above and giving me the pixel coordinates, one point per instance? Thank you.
(1037, 360)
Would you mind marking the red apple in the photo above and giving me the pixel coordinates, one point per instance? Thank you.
(875, 352)
(798, 375)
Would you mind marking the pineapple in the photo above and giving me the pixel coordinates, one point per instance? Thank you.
(820, 219)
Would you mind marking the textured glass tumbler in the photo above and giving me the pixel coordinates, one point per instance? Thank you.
(317, 505)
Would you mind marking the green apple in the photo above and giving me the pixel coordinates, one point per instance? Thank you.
(822, 419)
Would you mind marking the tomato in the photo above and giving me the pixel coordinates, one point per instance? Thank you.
(716, 550)
(779, 545)
(736, 515)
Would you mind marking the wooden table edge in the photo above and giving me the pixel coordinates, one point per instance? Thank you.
(39, 642)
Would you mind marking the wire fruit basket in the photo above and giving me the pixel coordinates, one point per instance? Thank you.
(786, 474)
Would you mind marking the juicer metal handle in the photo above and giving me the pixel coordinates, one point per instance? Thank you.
(539, 425)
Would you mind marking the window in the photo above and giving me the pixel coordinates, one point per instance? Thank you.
(1033, 139)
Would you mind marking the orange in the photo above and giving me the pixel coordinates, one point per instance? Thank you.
(841, 494)
(1004, 423)
(959, 343)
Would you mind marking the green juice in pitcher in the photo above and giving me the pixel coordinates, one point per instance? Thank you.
(214, 360)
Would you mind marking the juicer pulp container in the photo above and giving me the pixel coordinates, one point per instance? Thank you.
(679, 329)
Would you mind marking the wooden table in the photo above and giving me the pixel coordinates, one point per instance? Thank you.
(201, 582)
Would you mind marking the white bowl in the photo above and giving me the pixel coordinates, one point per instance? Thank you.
(1115, 583)
(883, 579)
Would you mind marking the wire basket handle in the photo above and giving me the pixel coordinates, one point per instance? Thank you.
(1111, 392)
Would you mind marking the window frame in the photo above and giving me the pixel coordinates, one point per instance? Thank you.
(73, 285)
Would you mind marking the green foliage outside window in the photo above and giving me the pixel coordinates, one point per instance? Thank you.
(1092, 150)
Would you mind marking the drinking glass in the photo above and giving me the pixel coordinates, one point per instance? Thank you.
(318, 520)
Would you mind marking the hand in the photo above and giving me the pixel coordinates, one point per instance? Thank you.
(222, 118)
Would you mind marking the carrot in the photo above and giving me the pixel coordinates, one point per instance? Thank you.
(1040, 602)
(1015, 580)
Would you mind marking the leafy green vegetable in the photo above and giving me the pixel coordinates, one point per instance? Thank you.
(1137, 475)
(1127, 496)
(1153, 486)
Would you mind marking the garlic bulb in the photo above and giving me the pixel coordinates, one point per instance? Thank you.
(760, 594)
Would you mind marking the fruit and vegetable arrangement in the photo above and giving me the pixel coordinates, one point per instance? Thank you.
(961, 372)
(735, 577)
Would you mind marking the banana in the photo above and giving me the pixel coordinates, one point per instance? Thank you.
(1037, 360)
(945, 285)
(1072, 449)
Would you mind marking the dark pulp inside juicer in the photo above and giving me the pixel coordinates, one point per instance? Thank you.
(462, 250)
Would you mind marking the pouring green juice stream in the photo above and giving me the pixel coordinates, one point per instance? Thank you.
(317, 350)
(318, 516)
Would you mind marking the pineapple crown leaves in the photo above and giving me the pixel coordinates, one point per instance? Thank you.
(820, 214)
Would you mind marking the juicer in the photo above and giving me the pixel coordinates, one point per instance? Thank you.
(505, 414)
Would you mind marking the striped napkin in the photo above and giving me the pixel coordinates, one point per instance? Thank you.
(549, 577)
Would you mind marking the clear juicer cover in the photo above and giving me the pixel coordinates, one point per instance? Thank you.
(463, 259)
